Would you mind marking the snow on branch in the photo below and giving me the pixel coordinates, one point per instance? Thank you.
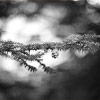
(21, 52)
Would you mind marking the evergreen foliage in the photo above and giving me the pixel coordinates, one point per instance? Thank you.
(21, 52)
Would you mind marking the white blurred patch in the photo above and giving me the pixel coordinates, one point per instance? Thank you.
(81, 54)
(29, 7)
(76, 0)
(95, 3)
(13, 28)
(10, 65)
(54, 12)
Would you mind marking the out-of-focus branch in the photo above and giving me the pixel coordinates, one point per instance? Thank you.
(21, 52)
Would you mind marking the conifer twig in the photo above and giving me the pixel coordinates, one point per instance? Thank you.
(21, 52)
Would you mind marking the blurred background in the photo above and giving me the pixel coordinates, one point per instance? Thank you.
(29, 21)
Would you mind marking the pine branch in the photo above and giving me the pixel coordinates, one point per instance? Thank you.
(21, 52)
